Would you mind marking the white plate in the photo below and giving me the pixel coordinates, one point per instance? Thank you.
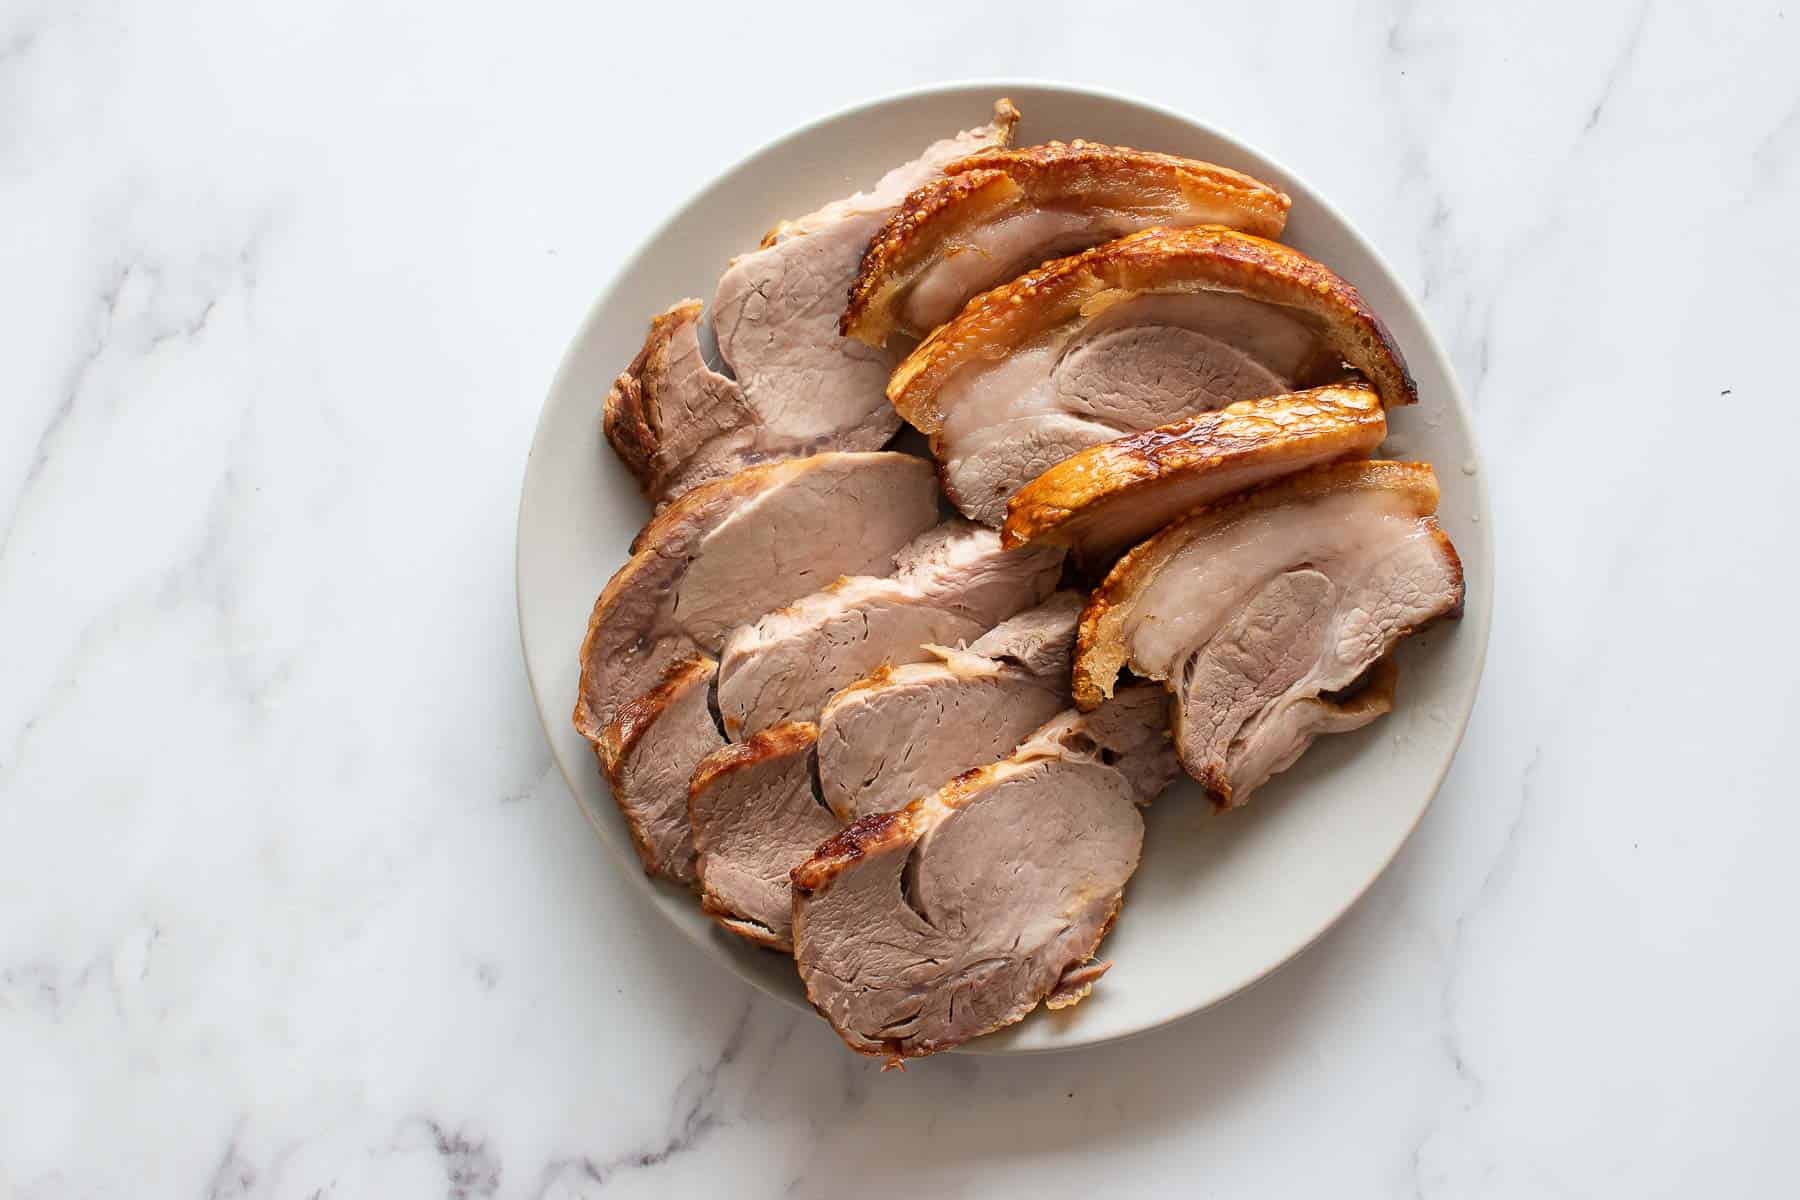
(1219, 901)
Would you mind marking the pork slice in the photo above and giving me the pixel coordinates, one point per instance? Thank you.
(1261, 613)
(735, 549)
(648, 753)
(905, 731)
(1151, 361)
(919, 930)
(955, 587)
(756, 815)
(1128, 336)
(673, 420)
(1105, 499)
(795, 386)
(995, 213)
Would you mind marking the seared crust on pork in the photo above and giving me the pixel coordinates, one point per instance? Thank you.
(1108, 497)
(650, 745)
(754, 813)
(1155, 261)
(626, 418)
(1124, 189)
(1101, 649)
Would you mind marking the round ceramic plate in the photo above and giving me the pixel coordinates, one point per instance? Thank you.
(1220, 901)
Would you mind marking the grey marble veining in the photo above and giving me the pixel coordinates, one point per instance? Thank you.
(293, 903)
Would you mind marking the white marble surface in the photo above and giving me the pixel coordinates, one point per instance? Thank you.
(292, 903)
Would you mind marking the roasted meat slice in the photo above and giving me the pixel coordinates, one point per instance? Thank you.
(1107, 498)
(954, 584)
(918, 930)
(673, 420)
(905, 731)
(1265, 614)
(994, 214)
(756, 815)
(1125, 337)
(736, 549)
(649, 752)
(795, 386)
(722, 555)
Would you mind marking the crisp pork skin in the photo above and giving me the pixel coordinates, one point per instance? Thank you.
(1103, 500)
(1125, 337)
(1267, 615)
(994, 214)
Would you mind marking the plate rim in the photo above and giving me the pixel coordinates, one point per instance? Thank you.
(1483, 585)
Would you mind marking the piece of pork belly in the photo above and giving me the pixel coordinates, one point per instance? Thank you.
(1103, 500)
(993, 215)
(1268, 615)
(1125, 337)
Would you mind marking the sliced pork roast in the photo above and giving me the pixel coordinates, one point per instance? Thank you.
(1264, 615)
(649, 752)
(919, 930)
(1127, 336)
(756, 815)
(994, 214)
(758, 808)
(674, 421)
(1108, 498)
(904, 732)
(953, 585)
(737, 549)
(723, 555)
(795, 386)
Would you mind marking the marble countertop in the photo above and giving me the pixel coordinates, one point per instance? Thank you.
(293, 904)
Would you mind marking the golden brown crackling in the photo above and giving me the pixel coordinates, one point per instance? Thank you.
(1100, 647)
(1055, 168)
(929, 216)
(1047, 175)
(1202, 258)
(1053, 507)
(1006, 115)
(628, 418)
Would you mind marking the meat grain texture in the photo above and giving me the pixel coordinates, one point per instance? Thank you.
(1263, 614)
(795, 386)
(919, 930)
(724, 554)
(953, 585)
(1125, 337)
(904, 732)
